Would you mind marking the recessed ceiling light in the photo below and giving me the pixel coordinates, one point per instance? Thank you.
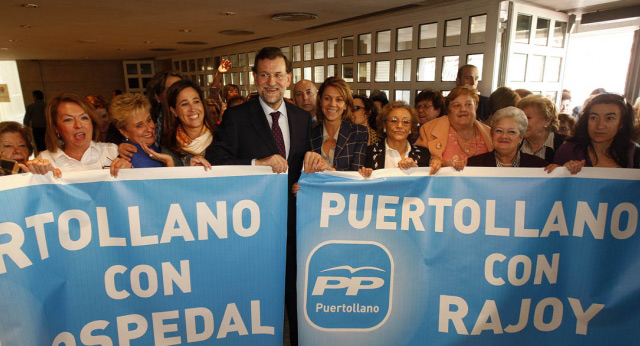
(30, 5)
(13, 40)
(119, 49)
(294, 16)
(194, 43)
(147, 42)
(185, 30)
(162, 49)
(26, 26)
(237, 32)
(4, 48)
(228, 13)
(87, 41)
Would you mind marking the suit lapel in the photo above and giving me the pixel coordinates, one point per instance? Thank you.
(343, 135)
(261, 125)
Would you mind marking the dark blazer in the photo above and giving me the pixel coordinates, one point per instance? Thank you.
(558, 140)
(482, 113)
(489, 160)
(351, 147)
(376, 155)
(244, 135)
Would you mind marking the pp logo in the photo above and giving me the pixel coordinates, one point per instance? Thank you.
(348, 286)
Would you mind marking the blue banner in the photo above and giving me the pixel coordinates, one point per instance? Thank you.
(480, 257)
(162, 256)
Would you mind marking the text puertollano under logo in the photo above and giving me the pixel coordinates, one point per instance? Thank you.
(348, 286)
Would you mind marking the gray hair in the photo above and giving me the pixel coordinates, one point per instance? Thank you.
(511, 112)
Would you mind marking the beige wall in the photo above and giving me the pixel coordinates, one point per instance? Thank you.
(82, 77)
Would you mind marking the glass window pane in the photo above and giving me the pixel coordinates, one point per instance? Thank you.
(428, 35)
(297, 74)
(286, 52)
(176, 65)
(347, 46)
(132, 68)
(477, 61)
(234, 60)
(242, 60)
(347, 73)
(404, 38)
(403, 70)
(364, 72)
(331, 70)
(200, 64)
(559, 29)
(146, 68)
(243, 78)
(183, 66)
(552, 72)
(307, 73)
(251, 81)
(450, 68)
(307, 51)
(318, 50)
(318, 74)
(192, 65)
(287, 93)
(383, 70)
(366, 92)
(209, 79)
(226, 79)
(403, 95)
(452, 30)
(134, 83)
(234, 78)
(332, 46)
(523, 28)
(297, 53)
(252, 57)
(208, 64)
(383, 41)
(551, 95)
(542, 31)
(477, 28)
(426, 69)
(517, 67)
(364, 44)
(535, 69)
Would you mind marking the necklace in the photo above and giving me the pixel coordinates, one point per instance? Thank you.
(466, 147)
(515, 163)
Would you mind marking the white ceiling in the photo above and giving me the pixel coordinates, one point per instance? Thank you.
(120, 28)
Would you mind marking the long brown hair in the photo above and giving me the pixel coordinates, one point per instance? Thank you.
(344, 90)
(171, 121)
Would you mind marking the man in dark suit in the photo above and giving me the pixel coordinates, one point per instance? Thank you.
(268, 131)
(468, 75)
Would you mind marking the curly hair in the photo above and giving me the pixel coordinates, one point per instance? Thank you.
(386, 110)
(545, 106)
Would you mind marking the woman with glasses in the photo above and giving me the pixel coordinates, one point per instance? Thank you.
(363, 110)
(453, 138)
(508, 126)
(340, 143)
(603, 137)
(396, 122)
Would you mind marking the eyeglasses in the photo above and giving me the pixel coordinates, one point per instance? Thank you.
(356, 108)
(394, 120)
